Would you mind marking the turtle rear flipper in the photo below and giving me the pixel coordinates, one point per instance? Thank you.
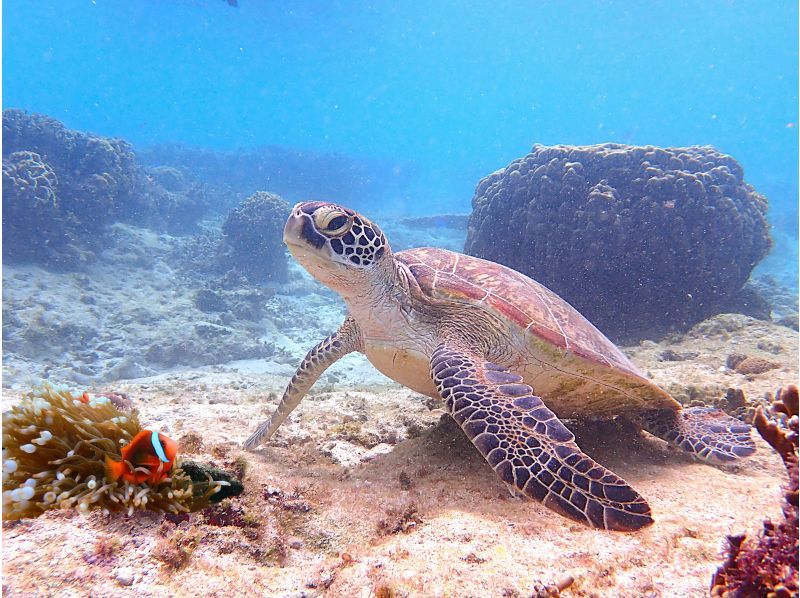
(527, 445)
(708, 434)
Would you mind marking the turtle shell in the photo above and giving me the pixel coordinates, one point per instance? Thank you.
(583, 370)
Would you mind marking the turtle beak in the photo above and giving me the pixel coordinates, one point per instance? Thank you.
(294, 225)
(300, 234)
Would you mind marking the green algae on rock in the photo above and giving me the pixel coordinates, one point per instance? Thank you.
(54, 447)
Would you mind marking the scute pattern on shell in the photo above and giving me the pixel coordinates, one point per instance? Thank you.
(525, 303)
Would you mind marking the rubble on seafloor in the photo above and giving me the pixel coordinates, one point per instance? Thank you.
(422, 515)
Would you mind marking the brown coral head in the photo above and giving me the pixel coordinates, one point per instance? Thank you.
(775, 437)
(786, 401)
(752, 366)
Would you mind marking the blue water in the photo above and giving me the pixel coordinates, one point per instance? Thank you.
(447, 91)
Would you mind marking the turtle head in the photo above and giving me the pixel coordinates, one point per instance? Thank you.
(335, 244)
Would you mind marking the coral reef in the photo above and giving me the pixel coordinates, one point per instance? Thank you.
(169, 200)
(60, 188)
(458, 221)
(253, 238)
(778, 291)
(790, 321)
(33, 223)
(54, 448)
(232, 176)
(96, 175)
(245, 303)
(207, 343)
(750, 301)
(672, 234)
(768, 565)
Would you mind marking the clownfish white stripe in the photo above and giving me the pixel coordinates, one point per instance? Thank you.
(158, 448)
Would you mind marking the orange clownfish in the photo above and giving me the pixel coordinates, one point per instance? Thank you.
(146, 458)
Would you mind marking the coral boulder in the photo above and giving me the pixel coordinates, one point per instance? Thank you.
(253, 238)
(170, 200)
(641, 240)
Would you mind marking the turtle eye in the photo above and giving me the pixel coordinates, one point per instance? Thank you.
(333, 223)
(338, 224)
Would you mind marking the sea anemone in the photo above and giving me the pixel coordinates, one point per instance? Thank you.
(54, 448)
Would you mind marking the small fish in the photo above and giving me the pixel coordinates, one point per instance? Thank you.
(119, 399)
(84, 398)
(146, 458)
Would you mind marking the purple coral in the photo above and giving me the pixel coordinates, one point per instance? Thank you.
(768, 565)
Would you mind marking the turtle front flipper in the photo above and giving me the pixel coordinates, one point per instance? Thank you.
(706, 433)
(345, 340)
(527, 445)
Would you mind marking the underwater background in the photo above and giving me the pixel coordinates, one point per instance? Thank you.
(435, 95)
(151, 153)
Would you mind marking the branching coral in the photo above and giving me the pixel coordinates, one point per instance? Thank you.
(670, 233)
(54, 447)
(768, 566)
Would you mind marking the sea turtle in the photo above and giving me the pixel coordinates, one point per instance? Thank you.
(509, 357)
